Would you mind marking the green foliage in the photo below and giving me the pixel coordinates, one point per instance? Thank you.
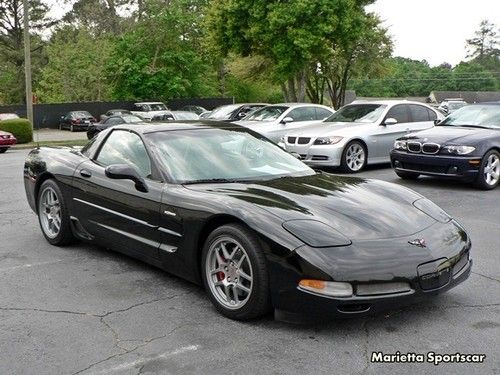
(166, 63)
(20, 127)
(75, 70)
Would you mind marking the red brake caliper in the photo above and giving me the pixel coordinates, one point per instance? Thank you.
(220, 275)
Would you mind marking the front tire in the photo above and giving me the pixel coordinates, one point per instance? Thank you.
(234, 272)
(407, 175)
(489, 171)
(3, 149)
(53, 214)
(354, 157)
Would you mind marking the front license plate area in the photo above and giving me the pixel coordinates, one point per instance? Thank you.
(435, 274)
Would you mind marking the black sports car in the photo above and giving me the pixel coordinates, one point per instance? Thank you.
(220, 205)
(465, 145)
(112, 121)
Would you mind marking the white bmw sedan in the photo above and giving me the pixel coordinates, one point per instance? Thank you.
(360, 133)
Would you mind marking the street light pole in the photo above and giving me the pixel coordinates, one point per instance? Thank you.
(27, 63)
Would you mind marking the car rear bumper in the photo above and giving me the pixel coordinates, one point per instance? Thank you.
(436, 165)
(7, 142)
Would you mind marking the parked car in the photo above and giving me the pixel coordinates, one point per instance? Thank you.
(8, 116)
(112, 121)
(359, 134)
(114, 112)
(465, 146)
(274, 121)
(448, 106)
(233, 112)
(148, 110)
(219, 205)
(76, 120)
(175, 116)
(6, 140)
(194, 108)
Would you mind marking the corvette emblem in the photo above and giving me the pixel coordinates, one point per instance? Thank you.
(420, 242)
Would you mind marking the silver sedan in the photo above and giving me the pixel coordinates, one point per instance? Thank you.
(359, 134)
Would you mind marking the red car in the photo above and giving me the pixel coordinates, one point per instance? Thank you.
(6, 140)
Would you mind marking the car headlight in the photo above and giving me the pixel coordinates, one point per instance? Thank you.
(458, 150)
(431, 209)
(327, 288)
(327, 140)
(315, 233)
(401, 145)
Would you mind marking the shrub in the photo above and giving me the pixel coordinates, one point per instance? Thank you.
(20, 127)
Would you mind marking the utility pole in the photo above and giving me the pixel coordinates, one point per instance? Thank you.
(27, 63)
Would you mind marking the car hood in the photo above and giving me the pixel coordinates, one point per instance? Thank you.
(260, 125)
(358, 208)
(325, 129)
(454, 135)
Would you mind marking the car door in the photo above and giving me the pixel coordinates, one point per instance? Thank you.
(388, 133)
(114, 211)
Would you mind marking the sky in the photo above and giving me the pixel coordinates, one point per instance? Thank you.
(434, 30)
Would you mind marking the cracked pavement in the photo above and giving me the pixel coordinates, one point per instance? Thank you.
(86, 310)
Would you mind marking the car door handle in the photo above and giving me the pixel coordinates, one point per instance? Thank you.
(85, 173)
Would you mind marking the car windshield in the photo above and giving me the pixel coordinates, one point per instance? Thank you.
(158, 107)
(358, 113)
(183, 115)
(131, 118)
(224, 111)
(81, 114)
(483, 116)
(220, 155)
(270, 113)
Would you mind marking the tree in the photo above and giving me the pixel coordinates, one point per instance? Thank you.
(161, 57)
(294, 35)
(75, 70)
(12, 46)
(486, 42)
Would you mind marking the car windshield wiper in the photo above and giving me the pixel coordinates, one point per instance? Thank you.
(210, 180)
(475, 126)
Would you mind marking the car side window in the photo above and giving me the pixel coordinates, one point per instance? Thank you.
(322, 113)
(399, 112)
(419, 113)
(302, 114)
(432, 114)
(124, 147)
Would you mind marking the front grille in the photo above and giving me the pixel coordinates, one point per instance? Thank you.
(414, 147)
(292, 140)
(425, 167)
(430, 148)
(304, 140)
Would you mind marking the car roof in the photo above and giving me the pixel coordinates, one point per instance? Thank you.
(146, 128)
(387, 102)
(149, 103)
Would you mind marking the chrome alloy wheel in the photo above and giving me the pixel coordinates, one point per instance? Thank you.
(229, 272)
(355, 157)
(492, 170)
(49, 209)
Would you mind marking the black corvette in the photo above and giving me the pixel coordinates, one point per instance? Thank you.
(219, 205)
(465, 145)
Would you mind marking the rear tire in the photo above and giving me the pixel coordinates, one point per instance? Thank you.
(407, 175)
(489, 171)
(4, 149)
(354, 157)
(53, 214)
(234, 272)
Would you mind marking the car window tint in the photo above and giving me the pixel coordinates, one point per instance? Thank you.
(113, 121)
(302, 114)
(322, 113)
(399, 112)
(419, 113)
(432, 114)
(124, 147)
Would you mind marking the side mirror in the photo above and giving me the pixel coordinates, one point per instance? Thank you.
(242, 114)
(126, 172)
(287, 120)
(390, 121)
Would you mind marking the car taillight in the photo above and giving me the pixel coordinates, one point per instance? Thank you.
(93, 119)
(77, 121)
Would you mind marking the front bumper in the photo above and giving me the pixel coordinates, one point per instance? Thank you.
(370, 266)
(324, 155)
(456, 167)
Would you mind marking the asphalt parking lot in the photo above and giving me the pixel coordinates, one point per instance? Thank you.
(86, 310)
